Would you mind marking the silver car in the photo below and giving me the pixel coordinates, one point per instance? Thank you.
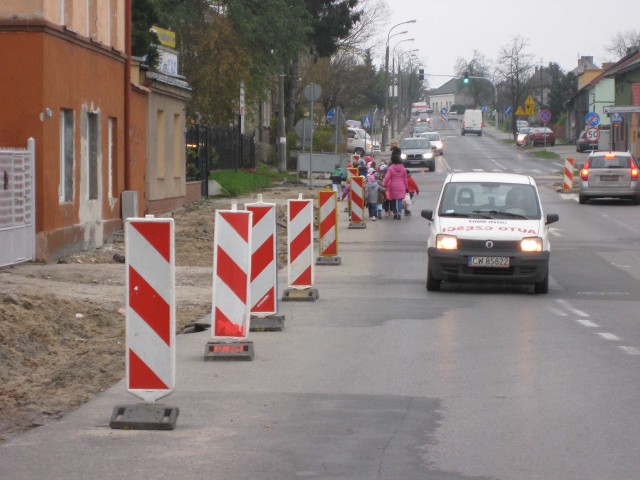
(435, 141)
(610, 175)
(417, 152)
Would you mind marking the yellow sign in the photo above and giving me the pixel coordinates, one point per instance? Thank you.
(519, 111)
(529, 109)
(529, 101)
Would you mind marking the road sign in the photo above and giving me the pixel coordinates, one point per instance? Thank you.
(312, 92)
(366, 121)
(622, 109)
(484, 109)
(520, 111)
(330, 115)
(544, 115)
(529, 101)
(592, 134)
(592, 119)
(616, 118)
(508, 110)
(304, 129)
(443, 111)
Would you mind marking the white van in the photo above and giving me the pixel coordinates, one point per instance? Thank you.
(472, 122)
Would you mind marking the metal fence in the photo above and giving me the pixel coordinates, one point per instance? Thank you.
(212, 148)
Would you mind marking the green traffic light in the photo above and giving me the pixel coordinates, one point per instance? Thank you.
(466, 79)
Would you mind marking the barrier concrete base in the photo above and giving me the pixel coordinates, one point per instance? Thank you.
(234, 350)
(270, 323)
(357, 225)
(328, 261)
(295, 295)
(144, 416)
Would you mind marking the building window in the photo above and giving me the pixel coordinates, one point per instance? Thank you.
(112, 145)
(160, 146)
(66, 156)
(93, 136)
(178, 145)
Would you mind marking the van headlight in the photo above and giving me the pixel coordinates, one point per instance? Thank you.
(446, 242)
(531, 244)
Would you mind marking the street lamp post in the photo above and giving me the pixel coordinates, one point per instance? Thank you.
(386, 82)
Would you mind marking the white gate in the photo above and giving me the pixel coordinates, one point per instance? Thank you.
(17, 204)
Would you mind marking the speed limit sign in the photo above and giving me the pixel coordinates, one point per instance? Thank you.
(593, 133)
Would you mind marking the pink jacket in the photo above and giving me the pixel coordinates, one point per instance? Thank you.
(396, 181)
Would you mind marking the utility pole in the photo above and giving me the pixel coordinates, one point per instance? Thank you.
(282, 131)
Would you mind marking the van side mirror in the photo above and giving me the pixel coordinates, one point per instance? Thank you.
(552, 218)
(428, 214)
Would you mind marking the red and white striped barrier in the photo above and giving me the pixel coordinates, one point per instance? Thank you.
(300, 243)
(327, 227)
(264, 270)
(231, 271)
(150, 307)
(357, 199)
(568, 174)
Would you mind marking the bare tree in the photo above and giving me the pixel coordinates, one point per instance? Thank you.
(620, 42)
(373, 17)
(514, 66)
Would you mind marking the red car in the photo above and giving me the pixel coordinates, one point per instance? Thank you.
(541, 136)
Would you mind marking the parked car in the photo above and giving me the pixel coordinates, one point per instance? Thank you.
(453, 116)
(520, 124)
(522, 138)
(435, 141)
(609, 174)
(585, 143)
(353, 123)
(359, 142)
(488, 228)
(542, 136)
(417, 152)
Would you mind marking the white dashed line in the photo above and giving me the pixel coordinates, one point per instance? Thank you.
(630, 350)
(557, 312)
(572, 309)
(609, 336)
(587, 323)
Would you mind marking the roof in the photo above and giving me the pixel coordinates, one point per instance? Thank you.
(630, 62)
(447, 89)
(491, 177)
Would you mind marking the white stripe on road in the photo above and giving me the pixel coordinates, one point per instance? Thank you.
(572, 309)
(630, 350)
(609, 336)
(587, 323)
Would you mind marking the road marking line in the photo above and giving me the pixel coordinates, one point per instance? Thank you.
(572, 309)
(630, 350)
(555, 311)
(609, 336)
(587, 323)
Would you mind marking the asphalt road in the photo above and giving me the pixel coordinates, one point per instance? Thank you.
(380, 379)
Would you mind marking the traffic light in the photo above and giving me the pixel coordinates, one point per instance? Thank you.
(465, 80)
(421, 74)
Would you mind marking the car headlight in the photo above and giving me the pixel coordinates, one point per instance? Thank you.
(427, 156)
(446, 242)
(531, 244)
(403, 156)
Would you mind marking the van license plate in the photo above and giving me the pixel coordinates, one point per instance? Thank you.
(495, 262)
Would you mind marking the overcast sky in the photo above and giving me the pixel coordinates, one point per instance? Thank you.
(556, 30)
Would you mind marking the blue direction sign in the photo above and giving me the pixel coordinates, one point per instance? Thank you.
(443, 111)
(544, 115)
(366, 121)
(592, 119)
(330, 115)
(484, 109)
(508, 110)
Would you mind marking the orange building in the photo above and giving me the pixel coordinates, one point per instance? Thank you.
(65, 84)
